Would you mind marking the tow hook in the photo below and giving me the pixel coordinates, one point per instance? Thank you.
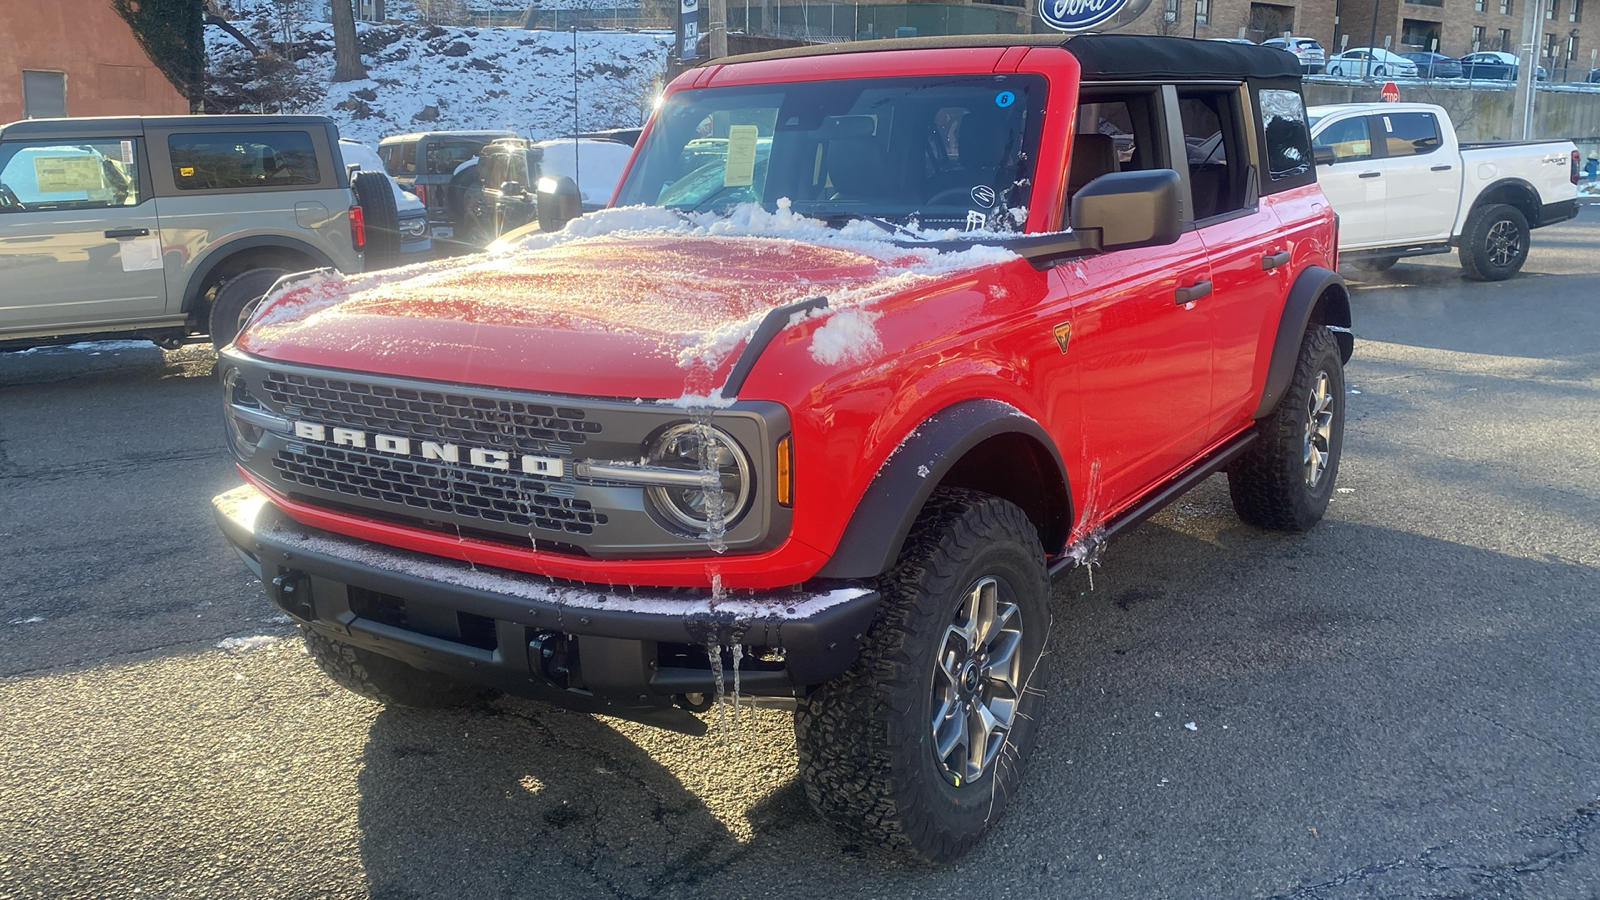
(292, 593)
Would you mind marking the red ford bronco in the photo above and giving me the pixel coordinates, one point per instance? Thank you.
(877, 339)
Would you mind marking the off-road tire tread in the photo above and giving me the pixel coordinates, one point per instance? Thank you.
(846, 730)
(1267, 483)
(1473, 253)
(375, 194)
(233, 296)
(388, 681)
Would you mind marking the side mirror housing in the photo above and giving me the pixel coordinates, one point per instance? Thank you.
(1323, 156)
(559, 202)
(1131, 209)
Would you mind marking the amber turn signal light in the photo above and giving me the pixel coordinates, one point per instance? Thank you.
(786, 471)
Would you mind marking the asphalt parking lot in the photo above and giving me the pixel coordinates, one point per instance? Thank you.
(1400, 704)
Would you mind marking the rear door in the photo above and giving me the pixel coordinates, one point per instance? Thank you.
(1421, 182)
(79, 238)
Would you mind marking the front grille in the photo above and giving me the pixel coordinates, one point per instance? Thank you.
(502, 423)
(503, 498)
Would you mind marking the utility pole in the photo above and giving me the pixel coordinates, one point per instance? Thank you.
(1527, 67)
(719, 28)
(1372, 40)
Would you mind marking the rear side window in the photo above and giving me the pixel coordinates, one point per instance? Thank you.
(408, 159)
(243, 159)
(1287, 136)
(1410, 134)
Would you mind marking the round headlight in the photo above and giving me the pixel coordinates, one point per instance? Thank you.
(722, 492)
(242, 436)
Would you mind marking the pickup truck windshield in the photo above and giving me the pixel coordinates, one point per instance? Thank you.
(950, 151)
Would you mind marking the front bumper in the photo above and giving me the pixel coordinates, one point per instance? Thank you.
(623, 652)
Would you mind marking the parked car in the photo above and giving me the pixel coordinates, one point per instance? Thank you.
(1372, 62)
(1594, 77)
(410, 215)
(1307, 50)
(717, 445)
(170, 227)
(1402, 186)
(498, 192)
(1495, 65)
(1434, 65)
(427, 164)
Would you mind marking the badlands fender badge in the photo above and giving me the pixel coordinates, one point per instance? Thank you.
(1063, 334)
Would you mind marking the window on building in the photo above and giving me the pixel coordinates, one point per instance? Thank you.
(1505, 40)
(1426, 2)
(1505, 7)
(1270, 18)
(1410, 134)
(1419, 33)
(1170, 14)
(1202, 12)
(1575, 11)
(1572, 47)
(44, 95)
(1550, 46)
(1550, 8)
(1477, 38)
(224, 160)
(1478, 5)
(88, 174)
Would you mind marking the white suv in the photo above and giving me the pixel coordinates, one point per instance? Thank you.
(1307, 50)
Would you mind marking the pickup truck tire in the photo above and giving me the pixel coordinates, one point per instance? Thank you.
(1283, 481)
(955, 658)
(1494, 245)
(386, 680)
(236, 299)
(376, 198)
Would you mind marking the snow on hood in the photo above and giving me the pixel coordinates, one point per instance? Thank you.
(673, 295)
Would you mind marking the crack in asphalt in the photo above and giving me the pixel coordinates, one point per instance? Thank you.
(1489, 879)
(120, 465)
(1532, 737)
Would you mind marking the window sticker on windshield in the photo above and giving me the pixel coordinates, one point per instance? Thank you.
(67, 174)
(127, 153)
(740, 168)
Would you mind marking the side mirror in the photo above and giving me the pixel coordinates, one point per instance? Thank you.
(513, 188)
(1323, 156)
(1131, 209)
(559, 202)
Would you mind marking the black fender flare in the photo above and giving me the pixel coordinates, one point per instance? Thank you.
(1311, 286)
(216, 256)
(883, 517)
(1534, 206)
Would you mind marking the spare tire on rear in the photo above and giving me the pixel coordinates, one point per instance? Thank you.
(376, 199)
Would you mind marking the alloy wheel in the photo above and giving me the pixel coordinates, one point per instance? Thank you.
(1504, 243)
(977, 684)
(1319, 428)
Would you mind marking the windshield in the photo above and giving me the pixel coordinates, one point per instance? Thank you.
(947, 151)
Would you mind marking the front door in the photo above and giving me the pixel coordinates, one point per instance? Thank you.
(1421, 183)
(1352, 180)
(79, 242)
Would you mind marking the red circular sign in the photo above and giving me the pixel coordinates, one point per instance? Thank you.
(1391, 94)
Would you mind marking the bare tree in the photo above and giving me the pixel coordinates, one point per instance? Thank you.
(347, 65)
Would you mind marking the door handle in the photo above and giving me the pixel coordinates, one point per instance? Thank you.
(1439, 169)
(1192, 293)
(1274, 260)
(127, 232)
(1369, 174)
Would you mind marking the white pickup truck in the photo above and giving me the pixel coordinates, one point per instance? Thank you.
(1403, 186)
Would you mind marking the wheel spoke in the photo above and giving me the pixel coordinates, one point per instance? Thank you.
(984, 607)
(949, 727)
(981, 727)
(1004, 657)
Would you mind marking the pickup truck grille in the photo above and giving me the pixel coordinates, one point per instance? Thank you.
(503, 423)
(497, 499)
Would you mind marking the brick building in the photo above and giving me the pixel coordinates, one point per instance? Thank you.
(1568, 38)
(77, 58)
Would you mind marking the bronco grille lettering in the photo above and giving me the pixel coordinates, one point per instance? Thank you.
(482, 457)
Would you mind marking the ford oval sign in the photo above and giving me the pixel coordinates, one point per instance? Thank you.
(1078, 15)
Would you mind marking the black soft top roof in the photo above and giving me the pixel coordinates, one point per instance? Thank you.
(1104, 57)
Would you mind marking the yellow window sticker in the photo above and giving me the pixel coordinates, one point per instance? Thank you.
(68, 174)
(740, 169)
(1360, 148)
(186, 171)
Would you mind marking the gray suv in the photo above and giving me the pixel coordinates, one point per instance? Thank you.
(168, 227)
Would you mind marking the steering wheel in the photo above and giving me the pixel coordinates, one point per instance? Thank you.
(8, 199)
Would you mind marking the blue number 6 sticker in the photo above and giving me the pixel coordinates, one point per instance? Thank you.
(1004, 99)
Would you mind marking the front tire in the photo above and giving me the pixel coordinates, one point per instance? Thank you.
(1284, 480)
(1494, 245)
(236, 299)
(922, 742)
(388, 681)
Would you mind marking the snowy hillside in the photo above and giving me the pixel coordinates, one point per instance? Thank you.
(434, 78)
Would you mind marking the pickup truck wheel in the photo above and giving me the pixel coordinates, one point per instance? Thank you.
(386, 680)
(1494, 245)
(236, 299)
(1284, 480)
(920, 744)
